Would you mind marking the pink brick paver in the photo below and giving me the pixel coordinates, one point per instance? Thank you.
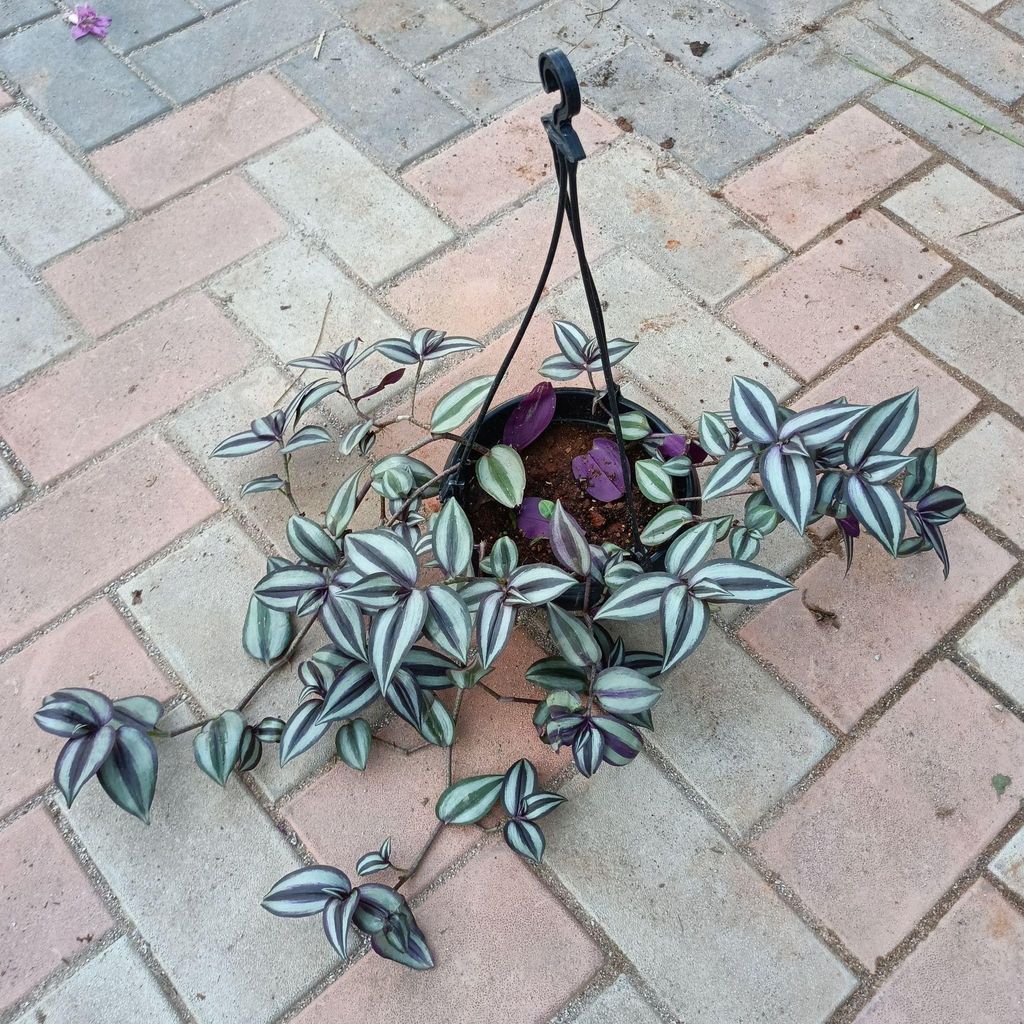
(970, 970)
(824, 176)
(49, 912)
(890, 612)
(504, 949)
(95, 648)
(96, 397)
(890, 366)
(889, 827)
(114, 279)
(202, 140)
(491, 168)
(90, 529)
(820, 304)
(473, 288)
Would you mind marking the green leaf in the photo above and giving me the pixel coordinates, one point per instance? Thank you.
(574, 638)
(714, 435)
(665, 524)
(525, 838)
(754, 410)
(218, 744)
(886, 427)
(789, 481)
(624, 690)
(1001, 783)
(311, 542)
(263, 483)
(468, 800)
(684, 622)
(459, 404)
(80, 759)
(307, 437)
(879, 509)
(352, 743)
(343, 504)
(634, 426)
(654, 483)
(128, 775)
(266, 632)
(690, 549)
(502, 475)
(452, 539)
(732, 471)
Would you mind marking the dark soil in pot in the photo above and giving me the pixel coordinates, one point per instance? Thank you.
(548, 463)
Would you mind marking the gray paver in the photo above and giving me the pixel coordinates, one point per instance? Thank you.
(494, 12)
(704, 930)
(1013, 18)
(620, 1003)
(138, 22)
(968, 220)
(996, 645)
(672, 27)
(1008, 867)
(328, 185)
(958, 40)
(32, 330)
(192, 881)
(114, 986)
(11, 487)
(987, 154)
(971, 329)
(687, 357)
(363, 90)
(659, 102)
(809, 78)
(281, 294)
(20, 12)
(491, 73)
(230, 44)
(414, 30)
(50, 204)
(782, 18)
(81, 86)
(694, 240)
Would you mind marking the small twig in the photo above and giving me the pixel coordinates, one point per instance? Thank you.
(823, 615)
(319, 43)
(506, 699)
(994, 224)
(415, 866)
(160, 734)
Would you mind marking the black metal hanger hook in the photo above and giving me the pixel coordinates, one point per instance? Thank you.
(558, 76)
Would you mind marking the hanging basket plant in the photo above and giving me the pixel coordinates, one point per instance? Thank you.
(571, 503)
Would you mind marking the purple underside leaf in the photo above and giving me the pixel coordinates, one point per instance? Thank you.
(532, 521)
(389, 378)
(601, 468)
(531, 417)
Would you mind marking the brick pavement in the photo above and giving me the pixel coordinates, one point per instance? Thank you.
(813, 836)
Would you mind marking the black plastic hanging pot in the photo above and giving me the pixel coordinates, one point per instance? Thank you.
(572, 405)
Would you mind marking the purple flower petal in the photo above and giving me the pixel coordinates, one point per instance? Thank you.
(601, 467)
(531, 417)
(533, 523)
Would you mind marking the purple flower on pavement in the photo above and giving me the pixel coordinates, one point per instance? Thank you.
(85, 22)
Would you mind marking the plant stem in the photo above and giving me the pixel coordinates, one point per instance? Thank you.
(283, 660)
(506, 699)
(160, 734)
(415, 388)
(288, 485)
(316, 348)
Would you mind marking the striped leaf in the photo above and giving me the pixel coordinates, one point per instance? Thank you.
(468, 800)
(921, 473)
(376, 860)
(569, 542)
(588, 748)
(352, 743)
(430, 668)
(337, 921)
(439, 345)
(623, 690)
(343, 505)
(744, 543)
(502, 475)
(879, 509)
(403, 943)
(377, 905)
(374, 593)
(689, 550)
(250, 753)
(732, 471)
(618, 349)
(128, 775)
(880, 468)
(886, 427)
(266, 632)
(559, 368)
(932, 534)
(245, 442)
(537, 584)
(941, 505)
(557, 674)
(637, 598)
(621, 741)
(634, 426)
(754, 410)
(823, 424)
(495, 621)
(307, 437)
(306, 891)
(284, 589)
(309, 397)
(654, 483)
(80, 759)
(459, 404)
(684, 622)
(381, 551)
(714, 434)
(347, 695)
(355, 436)
(502, 559)
(301, 731)
(665, 524)
(619, 571)
(790, 483)
(537, 805)
(74, 710)
(572, 342)
(398, 350)
(263, 483)
(343, 623)
(452, 538)
(393, 632)
(436, 725)
(525, 838)
(574, 639)
(141, 712)
(448, 624)
(218, 744)
(738, 582)
(520, 781)
(270, 730)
